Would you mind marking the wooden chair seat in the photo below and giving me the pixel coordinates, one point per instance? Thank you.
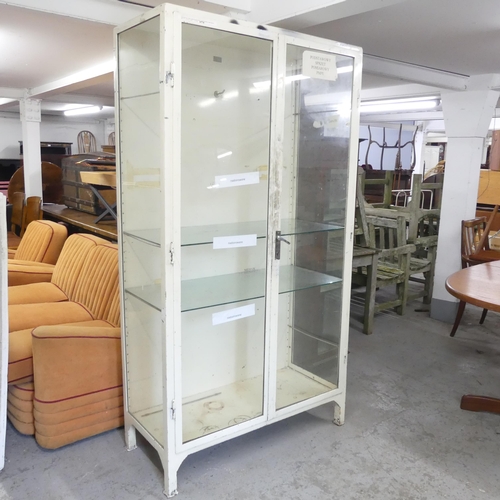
(389, 273)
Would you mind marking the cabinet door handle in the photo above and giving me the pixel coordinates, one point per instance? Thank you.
(279, 239)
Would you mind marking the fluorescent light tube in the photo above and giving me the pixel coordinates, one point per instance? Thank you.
(398, 106)
(83, 111)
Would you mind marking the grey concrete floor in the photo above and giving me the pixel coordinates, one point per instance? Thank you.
(405, 436)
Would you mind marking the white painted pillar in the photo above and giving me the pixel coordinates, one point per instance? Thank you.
(467, 117)
(32, 161)
(419, 148)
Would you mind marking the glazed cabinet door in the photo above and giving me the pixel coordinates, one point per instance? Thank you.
(224, 186)
(313, 206)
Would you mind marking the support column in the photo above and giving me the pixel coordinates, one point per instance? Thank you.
(32, 161)
(467, 116)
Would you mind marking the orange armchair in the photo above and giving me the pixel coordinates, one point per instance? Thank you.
(64, 354)
(33, 261)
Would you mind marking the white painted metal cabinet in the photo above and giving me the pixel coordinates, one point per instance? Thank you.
(237, 153)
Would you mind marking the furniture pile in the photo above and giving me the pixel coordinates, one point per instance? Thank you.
(77, 194)
(406, 240)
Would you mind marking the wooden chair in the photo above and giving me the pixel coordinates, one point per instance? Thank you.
(23, 212)
(423, 260)
(111, 139)
(32, 211)
(475, 249)
(387, 236)
(17, 201)
(86, 142)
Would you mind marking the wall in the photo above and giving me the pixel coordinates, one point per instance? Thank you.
(52, 128)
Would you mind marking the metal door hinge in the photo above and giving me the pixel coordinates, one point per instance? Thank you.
(172, 410)
(169, 76)
(171, 253)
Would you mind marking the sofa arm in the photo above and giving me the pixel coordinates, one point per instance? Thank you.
(72, 361)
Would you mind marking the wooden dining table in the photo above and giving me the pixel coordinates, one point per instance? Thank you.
(477, 285)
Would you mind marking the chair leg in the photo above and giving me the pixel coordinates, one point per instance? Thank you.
(458, 318)
(428, 286)
(402, 292)
(371, 287)
(483, 316)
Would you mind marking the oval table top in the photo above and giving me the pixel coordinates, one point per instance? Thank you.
(478, 285)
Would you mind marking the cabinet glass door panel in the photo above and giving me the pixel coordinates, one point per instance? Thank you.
(318, 99)
(224, 203)
(141, 219)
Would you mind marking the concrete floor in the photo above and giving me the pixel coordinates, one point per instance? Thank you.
(405, 436)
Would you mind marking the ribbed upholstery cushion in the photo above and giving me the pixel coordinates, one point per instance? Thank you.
(35, 292)
(20, 407)
(42, 242)
(71, 260)
(25, 272)
(98, 286)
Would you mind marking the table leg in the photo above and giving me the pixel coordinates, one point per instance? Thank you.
(483, 316)
(458, 318)
(472, 402)
(108, 209)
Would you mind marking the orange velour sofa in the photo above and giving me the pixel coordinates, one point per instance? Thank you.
(65, 380)
(33, 260)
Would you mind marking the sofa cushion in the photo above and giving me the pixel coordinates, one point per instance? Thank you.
(23, 272)
(22, 316)
(35, 293)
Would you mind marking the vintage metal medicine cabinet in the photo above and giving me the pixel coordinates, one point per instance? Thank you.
(237, 148)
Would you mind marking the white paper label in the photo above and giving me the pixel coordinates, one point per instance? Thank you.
(319, 65)
(233, 314)
(243, 240)
(233, 180)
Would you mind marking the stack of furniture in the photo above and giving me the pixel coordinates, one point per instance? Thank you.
(64, 352)
(413, 229)
(387, 237)
(77, 193)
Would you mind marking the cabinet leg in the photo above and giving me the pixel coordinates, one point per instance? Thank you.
(338, 414)
(130, 436)
(170, 480)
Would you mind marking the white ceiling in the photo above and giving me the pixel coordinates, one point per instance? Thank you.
(459, 36)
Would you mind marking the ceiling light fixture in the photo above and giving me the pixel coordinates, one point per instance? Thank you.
(408, 104)
(87, 110)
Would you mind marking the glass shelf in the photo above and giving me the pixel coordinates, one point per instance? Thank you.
(149, 236)
(204, 235)
(231, 288)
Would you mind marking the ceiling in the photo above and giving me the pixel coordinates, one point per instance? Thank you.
(66, 59)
